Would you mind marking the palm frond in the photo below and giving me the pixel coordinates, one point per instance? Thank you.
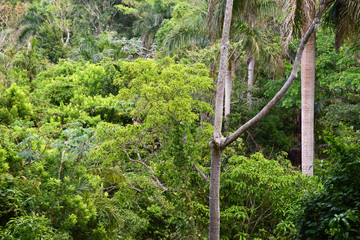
(344, 17)
(190, 32)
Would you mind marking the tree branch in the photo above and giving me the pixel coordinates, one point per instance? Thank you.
(339, 96)
(147, 168)
(202, 174)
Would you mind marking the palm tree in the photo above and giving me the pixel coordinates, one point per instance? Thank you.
(189, 28)
(308, 98)
(200, 24)
(30, 60)
(255, 38)
(300, 15)
(150, 18)
(345, 16)
(32, 21)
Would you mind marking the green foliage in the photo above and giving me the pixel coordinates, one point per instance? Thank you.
(50, 42)
(66, 85)
(4, 166)
(96, 48)
(163, 145)
(152, 14)
(96, 16)
(103, 146)
(30, 227)
(185, 29)
(55, 183)
(257, 194)
(29, 59)
(276, 132)
(14, 105)
(333, 211)
(108, 108)
(338, 75)
(66, 78)
(164, 91)
(338, 72)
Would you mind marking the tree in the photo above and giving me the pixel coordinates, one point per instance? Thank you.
(30, 60)
(308, 96)
(50, 42)
(300, 15)
(344, 15)
(251, 24)
(151, 15)
(218, 143)
(10, 28)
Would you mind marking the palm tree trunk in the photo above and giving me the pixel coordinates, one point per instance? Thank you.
(230, 76)
(251, 70)
(307, 106)
(307, 101)
(228, 83)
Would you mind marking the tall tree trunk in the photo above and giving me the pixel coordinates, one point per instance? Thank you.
(216, 141)
(230, 76)
(307, 106)
(251, 71)
(307, 101)
(228, 83)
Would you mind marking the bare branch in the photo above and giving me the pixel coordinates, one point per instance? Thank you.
(153, 175)
(200, 172)
(136, 189)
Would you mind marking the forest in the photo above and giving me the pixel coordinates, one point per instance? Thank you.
(179, 119)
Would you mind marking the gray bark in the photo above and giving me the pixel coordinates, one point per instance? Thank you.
(251, 71)
(228, 83)
(214, 197)
(307, 102)
(215, 143)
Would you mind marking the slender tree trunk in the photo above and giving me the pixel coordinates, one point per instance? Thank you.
(307, 101)
(307, 106)
(228, 83)
(216, 141)
(214, 196)
(230, 76)
(251, 71)
(67, 36)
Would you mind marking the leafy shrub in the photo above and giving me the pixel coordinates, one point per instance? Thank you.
(257, 194)
(14, 105)
(50, 42)
(30, 227)
(333, 212)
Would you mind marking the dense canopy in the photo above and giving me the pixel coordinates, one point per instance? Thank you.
(107, 108)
